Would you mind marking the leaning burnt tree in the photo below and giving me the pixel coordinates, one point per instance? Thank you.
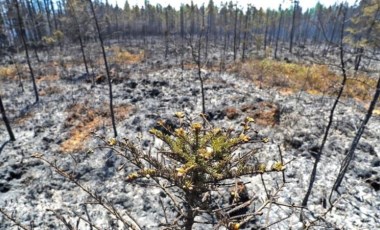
(107, 68)
(370, 12)
(351, 152)
(6, 121)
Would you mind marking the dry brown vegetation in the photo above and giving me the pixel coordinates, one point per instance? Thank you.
(50, 90)
(122, 56)
(8, 71)
(23, 118)
(264, 113)
(314, 79)
(83, 120)
(48, 78)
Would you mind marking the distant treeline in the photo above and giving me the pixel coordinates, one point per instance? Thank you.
(48, 22)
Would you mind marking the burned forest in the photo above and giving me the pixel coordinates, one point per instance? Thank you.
(213, 115)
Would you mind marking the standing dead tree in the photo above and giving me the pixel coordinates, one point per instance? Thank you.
(196, 54)
(350, 155)
(76, 21)
(107, 69)
(332, 111)
(6, 121)
(235, 32)
(23, 38)
(278, 32)
(293, 25)
(245, 35)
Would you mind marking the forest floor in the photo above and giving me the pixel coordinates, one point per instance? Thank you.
(290, 103)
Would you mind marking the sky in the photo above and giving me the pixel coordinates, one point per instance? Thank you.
(273, 4)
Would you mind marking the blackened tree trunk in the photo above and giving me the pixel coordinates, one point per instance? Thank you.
(6, 121)
(245, 35)
(107, 69)
(266, 30)
(196, 54)
(293, 25)
(167, 32)
(332, 33)
(53, 12)
(350, 155)
(192, 21)
(360, 50)
(23, 37)
(200, 73)
(235, 32)
(278, 33)
(331, 117)
(182, 22)
(223, 53)
(47, 10)
(37, 28)
(80, 40)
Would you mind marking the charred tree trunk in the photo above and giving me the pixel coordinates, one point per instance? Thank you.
(318, 154)
(332, 33)
(22, 31)
(196, 54)
(245, 36)
(293, 25)
(107, 69)
(47, 10)
(360, 50)
(235, 33)
(167, 32)
(266, 30)
(350, 155)
(37, 29)
(223, 53)
(54, 17)
(6, 121)
(278, 33)
(80, 41)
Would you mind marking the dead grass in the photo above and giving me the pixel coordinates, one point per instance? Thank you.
(264, 113)
(314, 79)
(122, 56)
(24, 118)
(82, 121)
(8, 72)
(231, 112)
(376, 112)
(48, 78)
(50, 90)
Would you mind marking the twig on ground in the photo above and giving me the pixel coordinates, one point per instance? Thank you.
(12, 219)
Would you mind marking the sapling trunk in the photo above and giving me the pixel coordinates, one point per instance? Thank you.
(331, 117)
(107, 69)
(22, 31)
(350, 155)
(278, 33)
(80, 41)
(6, 121)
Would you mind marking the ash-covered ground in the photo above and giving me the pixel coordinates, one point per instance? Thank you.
(70, 109)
